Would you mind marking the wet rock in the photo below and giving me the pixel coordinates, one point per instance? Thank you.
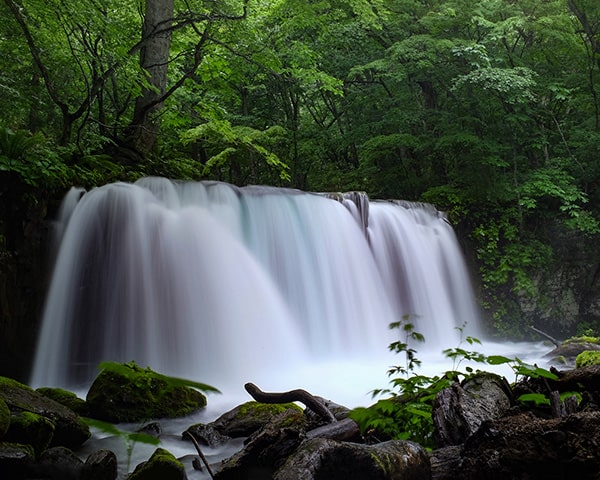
(321, 458)
(66, 398)
(458, 411)
(133, 394)
(69, 429)
(249, 417)
(4, 418)
(162, 465)
(266, 449)
(206, 435)
(100, 465)
(15, 459)
(30, 428)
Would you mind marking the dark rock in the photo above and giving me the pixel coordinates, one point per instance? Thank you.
(458, 411)
(162, 465)
(30, 428)
(206, 435)
(66, 398)
(4, 417)
(266, 449)
(58, 463)
(15, 460)
(248, 417)
(567, 352)
(134, 394)
(69, 429)
(100, 465)
(324, 459)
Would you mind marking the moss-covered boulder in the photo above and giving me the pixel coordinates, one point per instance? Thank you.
(248, 417)
(66, 398)
(587, 358)
(30, 428)
(4, 418)
(69, 429)
(129, 393)
(162, 465)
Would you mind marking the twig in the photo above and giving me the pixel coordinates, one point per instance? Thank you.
(200, 454)
(544, 334)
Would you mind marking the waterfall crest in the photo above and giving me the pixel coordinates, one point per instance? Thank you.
(209, 281)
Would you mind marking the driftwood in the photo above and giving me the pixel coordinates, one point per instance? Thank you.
(545, 335)
(345, 430)
(299, 395)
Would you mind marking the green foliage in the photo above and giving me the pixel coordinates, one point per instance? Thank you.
(407, 411)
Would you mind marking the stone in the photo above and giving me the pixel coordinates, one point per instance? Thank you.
(4, 418)
(30, 428)
(249, 417)
(100, 465)
(162, 465)
(69, 428)
(134, 394)
(66, 398)
(587, 358)
(15, 459)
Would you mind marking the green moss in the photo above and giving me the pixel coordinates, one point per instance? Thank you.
(66, 398)
(32, 429)
(587, 358)
(583, 339)
(264, 410)
(132, 394)
(162, 465)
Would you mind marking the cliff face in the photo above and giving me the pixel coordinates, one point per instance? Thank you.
(569, 291)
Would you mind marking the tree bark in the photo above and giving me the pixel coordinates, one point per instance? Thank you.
(154, 59)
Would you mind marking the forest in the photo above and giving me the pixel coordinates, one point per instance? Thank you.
(490, 110)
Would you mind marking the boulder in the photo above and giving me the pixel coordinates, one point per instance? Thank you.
(100, 465)
(162, 465)
(30, 428)
(321, 458)
(249, 417)
(458, 411)
(267, 449)
(206, 435)
(69, 429)
(66, 398)
(133, 394)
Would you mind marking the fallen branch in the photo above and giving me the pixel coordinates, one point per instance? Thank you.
(299, 395)
(200, 454)
(545, 335)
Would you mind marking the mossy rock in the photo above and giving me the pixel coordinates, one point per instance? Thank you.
(129, 393)
(162, 465)
(4, 418)
(583, 339)
(69, 428)
(32, 429)
(248, 417)
(66, 398)
(587, 358)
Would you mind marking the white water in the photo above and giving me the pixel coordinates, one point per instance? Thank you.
(225, 285)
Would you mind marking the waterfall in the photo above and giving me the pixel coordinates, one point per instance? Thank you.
(212, 282)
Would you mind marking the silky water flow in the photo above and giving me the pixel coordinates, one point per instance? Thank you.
(228, 285)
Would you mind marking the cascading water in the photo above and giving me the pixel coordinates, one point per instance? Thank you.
(223, 284)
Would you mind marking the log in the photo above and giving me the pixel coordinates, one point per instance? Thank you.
(345, 430)
(298, 395)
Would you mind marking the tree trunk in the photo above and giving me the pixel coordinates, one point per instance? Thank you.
(154, 59)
